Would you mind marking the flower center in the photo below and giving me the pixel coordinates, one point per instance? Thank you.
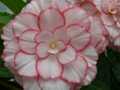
(53, 44)
(112, 11)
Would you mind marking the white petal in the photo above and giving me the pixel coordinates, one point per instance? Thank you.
(81, 42)
(42, 50)
(29, 35)
(28, 70)
(91, 73)
(31, 84)
(75, 71)
(117, 41)
(90, 52)
(50, 19)
(54, 85)
(27, 46)
(49, 68)
(75, 15)
(29, 20)
(22, 59)
(32, 7)
(67, 56)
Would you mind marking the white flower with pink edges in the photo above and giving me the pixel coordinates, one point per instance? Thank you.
(110, 13)
(53, 45)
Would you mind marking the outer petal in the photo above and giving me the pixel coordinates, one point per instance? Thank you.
(90, 52)
(117, 41)
(28, 70)
(32, 7)
(54, 85)
(75, 15)
(29, 35)
(27, 41)
(75, 71)
(50, 19)
(23, 22)
(67, 56)
(8, 32)
(25, 64)
(27, 47)
(91, 73)
(49, 68)
(31, 84)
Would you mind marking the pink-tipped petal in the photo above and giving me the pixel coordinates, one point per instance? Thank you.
(90, 52)
(117, 41)
(91, 73)
(42, 50)
(67, 56)
(21, 59)
(75, 71)
(27, 46)
(75, 15)
(32, 7)
(49, 68)
(28, 70)
(50, 19)
(29, 35)
(81, 42)
(8, 32)
(54, 85)
(29, 20)
(31, 84)
(75, 30)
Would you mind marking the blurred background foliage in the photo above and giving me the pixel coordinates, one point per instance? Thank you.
(108, 76)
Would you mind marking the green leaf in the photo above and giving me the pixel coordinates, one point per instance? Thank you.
(116, 71)
(14, 5)
(5, 18)
(5, 73)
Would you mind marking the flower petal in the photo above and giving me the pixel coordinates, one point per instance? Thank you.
(67, 56)
(108, 20)
(81, 42)
(22, 59)
(91, 73)
(42, 50)
(51, 19)
(61, 35)
(27, 47)
(117, 41)
(90, 52)
(75, 30)
(49, 68)
(32, 7)
(54, 85)
(75, 71)
(28, 70)
(75, 15)
(23, 22)
(29, 35)
(31, 84)
(43, 36)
